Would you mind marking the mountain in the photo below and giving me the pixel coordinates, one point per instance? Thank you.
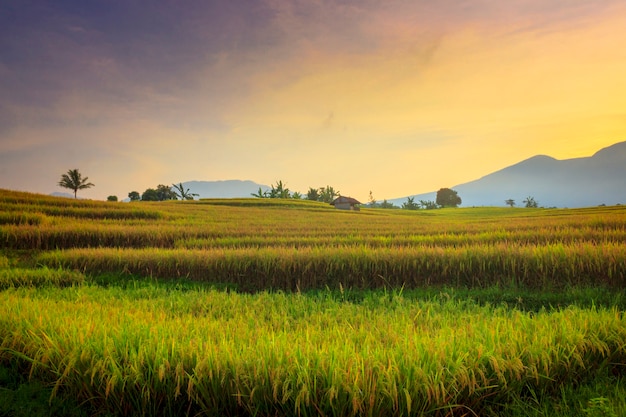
(578, 182)
(224, 189)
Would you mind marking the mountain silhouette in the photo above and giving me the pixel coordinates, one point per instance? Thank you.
(578, 182)
(224, 189)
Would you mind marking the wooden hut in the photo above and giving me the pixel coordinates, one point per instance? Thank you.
(346, 203)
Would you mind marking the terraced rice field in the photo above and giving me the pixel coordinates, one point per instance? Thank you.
(257, 307)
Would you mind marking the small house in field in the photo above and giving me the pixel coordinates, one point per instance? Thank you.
(346, 203)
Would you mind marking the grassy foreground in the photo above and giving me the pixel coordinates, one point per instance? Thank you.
(123, 309)
(150, 349)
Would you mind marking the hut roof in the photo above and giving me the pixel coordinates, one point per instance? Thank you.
(344, 200)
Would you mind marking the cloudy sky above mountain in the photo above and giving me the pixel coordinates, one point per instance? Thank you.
(397, 97)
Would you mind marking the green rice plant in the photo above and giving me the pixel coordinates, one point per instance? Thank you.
(157, 352)
(19, 277)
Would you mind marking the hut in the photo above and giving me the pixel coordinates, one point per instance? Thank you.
(346, 203)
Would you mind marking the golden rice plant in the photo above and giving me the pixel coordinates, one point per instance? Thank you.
(535, 267)
(20, 218)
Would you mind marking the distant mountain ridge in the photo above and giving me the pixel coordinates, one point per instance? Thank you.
(224, 189)
(577, 182)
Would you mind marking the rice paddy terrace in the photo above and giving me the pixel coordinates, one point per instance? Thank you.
(285, 307)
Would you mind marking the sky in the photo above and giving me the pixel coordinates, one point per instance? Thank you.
(396, 97)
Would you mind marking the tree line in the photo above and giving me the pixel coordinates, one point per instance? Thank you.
(163, 192)
(75, 181)
(446, 197)
(324, 194)
(529, 202)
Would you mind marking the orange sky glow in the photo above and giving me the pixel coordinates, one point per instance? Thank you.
(393, 97)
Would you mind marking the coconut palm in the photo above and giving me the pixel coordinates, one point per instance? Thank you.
(530, 202)
(280, 191)
(182, 193)
(313, 194)
(260, 194)
(74, 181)
(328, 194)
(410, 204)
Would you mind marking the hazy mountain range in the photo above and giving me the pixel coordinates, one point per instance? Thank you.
(578, 182)
(225, 189)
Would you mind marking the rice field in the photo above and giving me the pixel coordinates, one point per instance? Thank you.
(250, 307)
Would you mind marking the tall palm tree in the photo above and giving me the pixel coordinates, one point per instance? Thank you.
(74, 181)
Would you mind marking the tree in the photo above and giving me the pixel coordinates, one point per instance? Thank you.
(165, 193)
(313, 194)
(428, 204)
(279, 191)
(448, 198)
(150, 195)
(161, 193)
(328, 194)
(387, 205)
(530, 202)
(112, 198)
(296, 195)
(183, 194)
(410, 204)
(510, 202)
(134, 196)
(371, 200)
(74, 181)
(260, 194)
